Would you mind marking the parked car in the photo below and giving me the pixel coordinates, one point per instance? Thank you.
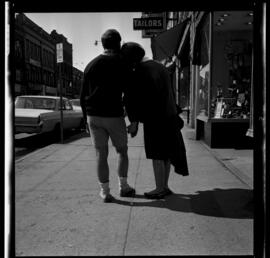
(76, 104)
(41, 114)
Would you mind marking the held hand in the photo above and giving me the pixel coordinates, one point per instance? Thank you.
(133, 129)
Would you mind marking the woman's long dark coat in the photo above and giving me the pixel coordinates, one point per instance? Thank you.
(150, 100)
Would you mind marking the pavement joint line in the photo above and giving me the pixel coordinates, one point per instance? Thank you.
(49, 176)
(131, 206)
(229, 166)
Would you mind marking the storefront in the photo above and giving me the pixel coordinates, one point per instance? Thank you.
(210, 57)
(172, 48)
(222, 60)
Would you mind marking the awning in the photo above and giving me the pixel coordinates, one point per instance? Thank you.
(199, 56)
(184, 55)
(165, 44)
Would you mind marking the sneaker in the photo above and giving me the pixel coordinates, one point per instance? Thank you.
(107, 197)
(129, 192)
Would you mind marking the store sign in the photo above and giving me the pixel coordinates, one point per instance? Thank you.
(149, 23)
(59, 53)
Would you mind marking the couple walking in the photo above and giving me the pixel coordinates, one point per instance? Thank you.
(122, 80)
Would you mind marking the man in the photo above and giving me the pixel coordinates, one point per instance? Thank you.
(101, 101)
(151, 101)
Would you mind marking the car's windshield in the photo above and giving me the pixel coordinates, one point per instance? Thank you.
(35, 103)
(75, 102)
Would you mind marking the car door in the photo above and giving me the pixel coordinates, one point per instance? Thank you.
(72, 117)
(65, 115)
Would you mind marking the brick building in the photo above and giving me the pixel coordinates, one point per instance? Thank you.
(34, 59)
(77, 82)
(35, 68)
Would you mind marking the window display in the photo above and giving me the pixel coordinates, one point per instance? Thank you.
(232, 107)
(223, 82)
(236, 99)
(231, 70)
(204, 70)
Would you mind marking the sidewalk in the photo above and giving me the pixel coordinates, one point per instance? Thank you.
(238, 161)
(58, 210)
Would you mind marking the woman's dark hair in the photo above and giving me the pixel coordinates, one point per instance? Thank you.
(133, 52)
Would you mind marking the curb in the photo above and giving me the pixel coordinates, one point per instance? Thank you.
(33, 153)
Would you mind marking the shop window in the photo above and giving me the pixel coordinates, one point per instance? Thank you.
(18, 49)
(32, 50)
(231, 72)
(184, 84)
(34, 73)
(45, 58)
(50, 60)
(35, 52)
(18, 75)
(38, 53)
(27, 48)
(27, 73)
(51, 82)
(39, 75)
(45, 77)
(204, 69)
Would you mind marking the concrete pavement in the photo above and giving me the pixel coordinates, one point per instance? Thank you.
(58, 210)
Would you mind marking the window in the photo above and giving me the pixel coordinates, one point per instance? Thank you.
(18, 75)
(35, 103)
(232, 48)
(68, 105)
(204, 69)
(27, 48)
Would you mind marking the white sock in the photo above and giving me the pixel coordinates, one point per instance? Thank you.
(123, 185)
(104, 189)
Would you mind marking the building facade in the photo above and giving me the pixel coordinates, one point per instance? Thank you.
(36, 70)
(77, 82)
(211, 67)
(34, 59)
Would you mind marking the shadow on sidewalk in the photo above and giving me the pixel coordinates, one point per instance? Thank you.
(232, 203)
(74, 136)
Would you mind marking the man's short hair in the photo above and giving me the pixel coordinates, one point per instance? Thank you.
(111, 39)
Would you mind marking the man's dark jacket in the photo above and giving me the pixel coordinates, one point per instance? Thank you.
(103, 86)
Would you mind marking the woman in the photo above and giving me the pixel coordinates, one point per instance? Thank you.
(150, 100)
